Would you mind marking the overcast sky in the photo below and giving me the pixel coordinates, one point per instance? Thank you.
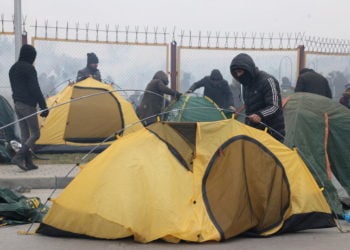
(326, 18)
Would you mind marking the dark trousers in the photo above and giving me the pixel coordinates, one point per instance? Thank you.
(29, 127)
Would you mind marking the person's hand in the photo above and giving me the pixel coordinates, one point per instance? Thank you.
(255, 118)
(44, 113)
(233, 109)
(178, 95)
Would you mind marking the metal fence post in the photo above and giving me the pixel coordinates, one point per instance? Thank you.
(18, 27)
(173, 69)
(301, 57)
(24, 38)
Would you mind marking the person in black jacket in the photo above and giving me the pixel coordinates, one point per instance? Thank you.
(313, 82)
(26, 94)
(345, 99)
(216, 88)
(90, 69)
(261, 95)
(153, 101)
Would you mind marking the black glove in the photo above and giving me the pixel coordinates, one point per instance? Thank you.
(178, 95)
(44, 113)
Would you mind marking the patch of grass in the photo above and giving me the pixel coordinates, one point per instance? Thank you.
(63, 158)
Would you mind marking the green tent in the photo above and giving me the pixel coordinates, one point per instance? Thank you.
(319, 128)
(7, 115)
(18, 209)
(194, 109)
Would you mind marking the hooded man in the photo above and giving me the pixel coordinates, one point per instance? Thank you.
(345, 99)
(216, 88)
(90, 70)
(153, 99)
(313, 82)
(26, 94)
(261, 95)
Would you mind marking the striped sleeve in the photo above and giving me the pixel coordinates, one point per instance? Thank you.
(272, 98)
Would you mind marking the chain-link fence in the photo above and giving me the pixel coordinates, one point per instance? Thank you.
(129, 57)
(196, 63)
(335, 67)
(7, 55)
(278, 55)
(7, 58)
(125, 65)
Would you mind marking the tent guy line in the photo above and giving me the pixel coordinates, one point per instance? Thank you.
(72, 100)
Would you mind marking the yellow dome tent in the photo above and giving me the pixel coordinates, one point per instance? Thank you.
(190, 181)
(94, 111)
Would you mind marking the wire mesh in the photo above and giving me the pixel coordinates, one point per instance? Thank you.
(129, 56)
(335, 67)
(195, 63)
(7, 58)
(127, 66)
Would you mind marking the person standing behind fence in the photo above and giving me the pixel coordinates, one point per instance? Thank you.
(153, 98)
(217, 89)
(313, 82)
(26, 94)
(261, 95)
(90, 70)
(345, 99)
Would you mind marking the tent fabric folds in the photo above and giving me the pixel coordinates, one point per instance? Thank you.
(319, 128)
(194, 109)
(231, 179)
(7, 116)
(86, 113)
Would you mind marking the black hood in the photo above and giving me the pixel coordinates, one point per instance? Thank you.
(27, 53)
(245, 62)
(92, 58)
(160, 75)
(216, 75)
(305, 70)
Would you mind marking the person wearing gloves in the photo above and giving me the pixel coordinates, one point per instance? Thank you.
(90, 70)
(153, 99)
(261, 95)
(217, 89)
(26, 94)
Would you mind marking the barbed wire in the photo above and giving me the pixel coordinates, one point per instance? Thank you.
(263, 41)
(188, 39)
(107, 34)
(7, 25)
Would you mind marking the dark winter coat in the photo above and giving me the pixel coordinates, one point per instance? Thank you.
(313, 82)
(216, 88)
(87, 72)
(153, 98)
(345, 99)
(261, 95)
(24, 81)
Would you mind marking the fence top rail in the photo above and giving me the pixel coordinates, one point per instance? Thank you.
(236, 49)
(34, 39)
(6, 33)
(271, 41)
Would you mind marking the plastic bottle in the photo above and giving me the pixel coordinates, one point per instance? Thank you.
(347, 215)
